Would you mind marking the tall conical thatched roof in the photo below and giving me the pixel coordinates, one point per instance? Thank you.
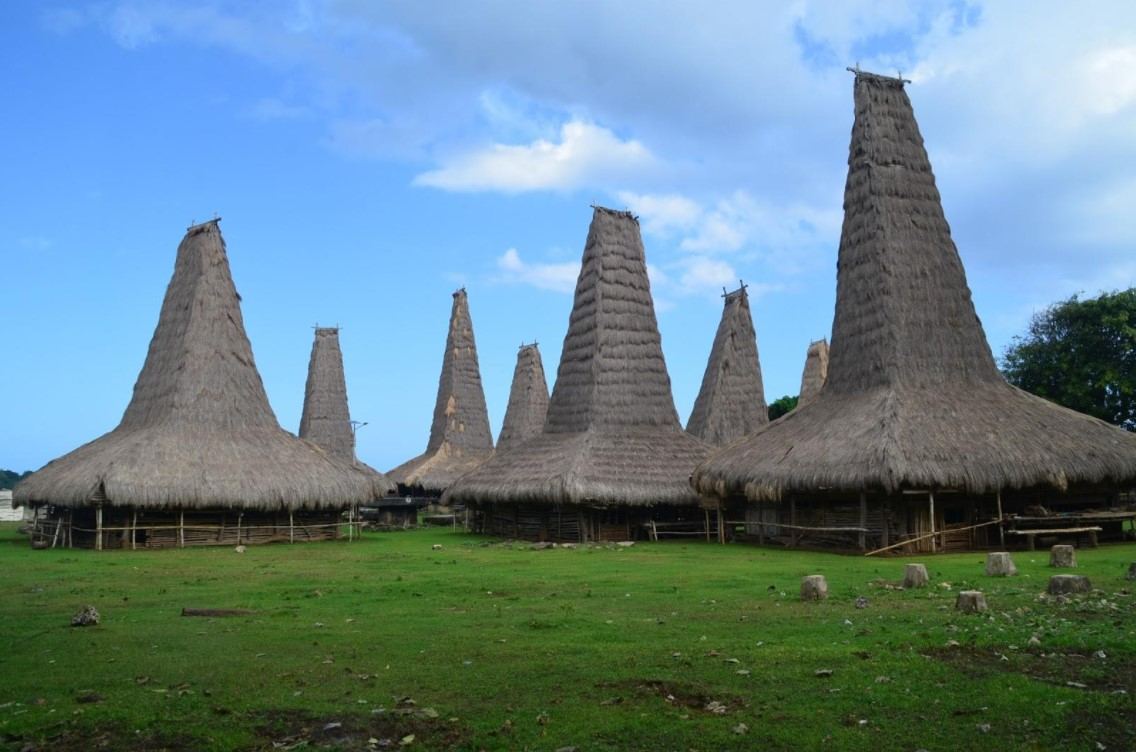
(913, 398)
(815, 373)
(612, 435)
(459, 436)
(731, 402)
(528, 400)
(325, 420)
(198, 431)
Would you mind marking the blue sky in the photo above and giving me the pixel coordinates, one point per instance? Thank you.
(368, 158)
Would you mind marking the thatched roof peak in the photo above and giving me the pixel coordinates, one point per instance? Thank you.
(612, 372)
(199, 430)
(528, 400)
(815, 372)
(460, 437)
(913, 398)
(731, 401)
(612, 435)
(325, 420)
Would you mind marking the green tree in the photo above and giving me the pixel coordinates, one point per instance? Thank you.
(1081, 354)
(9, 478)
(781, 405)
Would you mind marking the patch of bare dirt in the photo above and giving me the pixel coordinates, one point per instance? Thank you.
(284, 730)
(1080, 670)
(677, 694)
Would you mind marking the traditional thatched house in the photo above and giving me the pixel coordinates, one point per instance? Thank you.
(915, 435)
(198, 458)
(460, 439)
(528, 400)
(612, 455)
(326, 422)
(731, 402)
(815, 373)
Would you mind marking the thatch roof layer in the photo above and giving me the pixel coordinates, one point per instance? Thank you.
(612, 435)
(731, 402)
(528, 400)
(913, 398)
(326, 421)
(815, 372)
(460, 438)
(198, 431)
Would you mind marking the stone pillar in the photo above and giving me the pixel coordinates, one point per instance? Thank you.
(1063, 557)
(971, 602)
(1000, 565)
(814, 588)
(1064, 584)
(915, 576)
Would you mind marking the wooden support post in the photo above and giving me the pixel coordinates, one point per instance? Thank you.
(886, 512)
(291, 527)
(721, 526)
(133, 529)
(761, 522)
(863, 520)
(792, 521)
(1001, 526)
(98, 528)
(240, 516)
(931, 504)
(181, 528)
(707, 524)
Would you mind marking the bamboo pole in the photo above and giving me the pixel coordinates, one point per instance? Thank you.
(181, 529)
(792, 521)
(863, 520)
(133, 529)
(928, 535)
(1001, 528)
(931, 503)
(291, 528)
(98, 528)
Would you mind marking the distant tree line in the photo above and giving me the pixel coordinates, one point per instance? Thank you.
(1081, 354)
(781, 406)
(9, 478)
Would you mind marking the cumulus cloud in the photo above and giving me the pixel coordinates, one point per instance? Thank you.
(586, 154)
(739, 222)
(556, 277)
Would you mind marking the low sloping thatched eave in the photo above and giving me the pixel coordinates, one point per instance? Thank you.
(633, 467)
(979, 439)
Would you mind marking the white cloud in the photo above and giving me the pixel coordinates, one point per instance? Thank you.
(587, 154)
(556, 277)
(701, 273)
(739, 222)
(662, 214)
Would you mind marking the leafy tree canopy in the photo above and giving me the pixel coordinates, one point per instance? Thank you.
(9, 478)
(781, 405)
(1081, 354)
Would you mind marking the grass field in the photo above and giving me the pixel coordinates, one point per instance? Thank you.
(387, 643)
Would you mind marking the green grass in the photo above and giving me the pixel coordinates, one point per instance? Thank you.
(597, 648)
